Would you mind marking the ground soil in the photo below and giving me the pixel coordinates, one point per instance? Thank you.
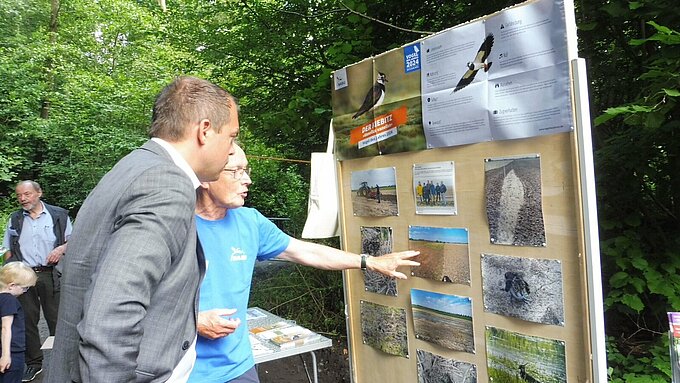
(332, 364)
(364, 206)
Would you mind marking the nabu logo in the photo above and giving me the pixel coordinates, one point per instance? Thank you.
(237, 254)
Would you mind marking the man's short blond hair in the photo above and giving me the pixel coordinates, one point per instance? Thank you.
(185, 102)
(17, 273)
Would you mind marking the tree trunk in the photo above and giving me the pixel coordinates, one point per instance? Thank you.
(49, 63)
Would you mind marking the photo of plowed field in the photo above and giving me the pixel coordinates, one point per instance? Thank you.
(443, 319)
(384, 328)
(374, 192)
(513, 201)
(525, 288)
(433, 368)
(444, 254)
(377, 241)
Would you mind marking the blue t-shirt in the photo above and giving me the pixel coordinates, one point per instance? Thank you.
(9, 305)
(231, 246)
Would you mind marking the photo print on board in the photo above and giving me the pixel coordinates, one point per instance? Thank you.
(513, 200)
(374, 192)
(433, 368)
(434, 186)
(377, 241)
(530, 358)
(443, 319)
(384, 328)
(444, 253)
(524, 288)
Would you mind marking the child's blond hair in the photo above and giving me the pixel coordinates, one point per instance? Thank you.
(17, 273)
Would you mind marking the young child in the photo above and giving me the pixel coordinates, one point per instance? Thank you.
(15, 279)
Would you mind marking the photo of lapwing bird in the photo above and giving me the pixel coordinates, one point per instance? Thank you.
(517, 287)
(478, 63)
(374, 97)
(526, 288)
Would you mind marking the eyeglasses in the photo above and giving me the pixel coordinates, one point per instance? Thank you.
(238, 173)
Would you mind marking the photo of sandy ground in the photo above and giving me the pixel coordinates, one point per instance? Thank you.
(384, 328)
(377, 241)
(433, 368)
(515, 357)
(513, 201)
(443, 319)
(374, 192)
(401, 90)
(524, 288)
(444, 253)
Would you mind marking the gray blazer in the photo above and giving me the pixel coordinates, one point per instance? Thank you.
(130, 276)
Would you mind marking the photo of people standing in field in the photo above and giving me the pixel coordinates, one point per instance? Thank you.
(434, 188)
(374, 192)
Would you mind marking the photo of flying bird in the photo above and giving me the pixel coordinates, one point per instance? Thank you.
(374, 97)
(478, 63)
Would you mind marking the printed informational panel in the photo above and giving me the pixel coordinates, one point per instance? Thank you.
(505, 76)
(471, 130)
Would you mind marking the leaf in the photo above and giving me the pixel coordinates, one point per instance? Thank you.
(587, 26)
(672, 92)
(618, 279)
(633, 301)
(633, 5)
(661, 28)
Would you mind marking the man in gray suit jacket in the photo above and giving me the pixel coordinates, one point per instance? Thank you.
(130, 278)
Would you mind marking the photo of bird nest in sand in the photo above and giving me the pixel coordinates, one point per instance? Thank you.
(524, 288)
(433, 368)
(384, 328)
(377, 241)
(514, 201)
(374, 192)
(444, 253)
(514, 357)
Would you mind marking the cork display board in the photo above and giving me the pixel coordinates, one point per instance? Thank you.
(523, 311)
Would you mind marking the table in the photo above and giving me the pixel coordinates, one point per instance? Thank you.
(257, 317)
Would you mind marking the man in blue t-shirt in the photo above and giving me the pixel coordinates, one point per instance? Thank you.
(233, 238)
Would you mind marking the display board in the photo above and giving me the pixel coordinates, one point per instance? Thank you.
(489, 175)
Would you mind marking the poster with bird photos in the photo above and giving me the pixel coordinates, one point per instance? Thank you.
(376, 106)
(502, 77)
(524, 288)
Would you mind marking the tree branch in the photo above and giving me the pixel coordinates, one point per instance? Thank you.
(383, 22)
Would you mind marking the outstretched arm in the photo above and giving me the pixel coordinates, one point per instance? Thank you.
(328, 258)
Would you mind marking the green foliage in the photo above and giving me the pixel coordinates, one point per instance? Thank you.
(630, 368)
(635, 68)
(312, 297)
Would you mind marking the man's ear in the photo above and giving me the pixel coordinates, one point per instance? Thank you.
(205, 185)
(204, 126)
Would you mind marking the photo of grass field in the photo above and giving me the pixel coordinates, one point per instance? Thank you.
(444, 253)
(377, 241)
(433, 368)
(443, 319)
(384, 328)
(517, 358)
